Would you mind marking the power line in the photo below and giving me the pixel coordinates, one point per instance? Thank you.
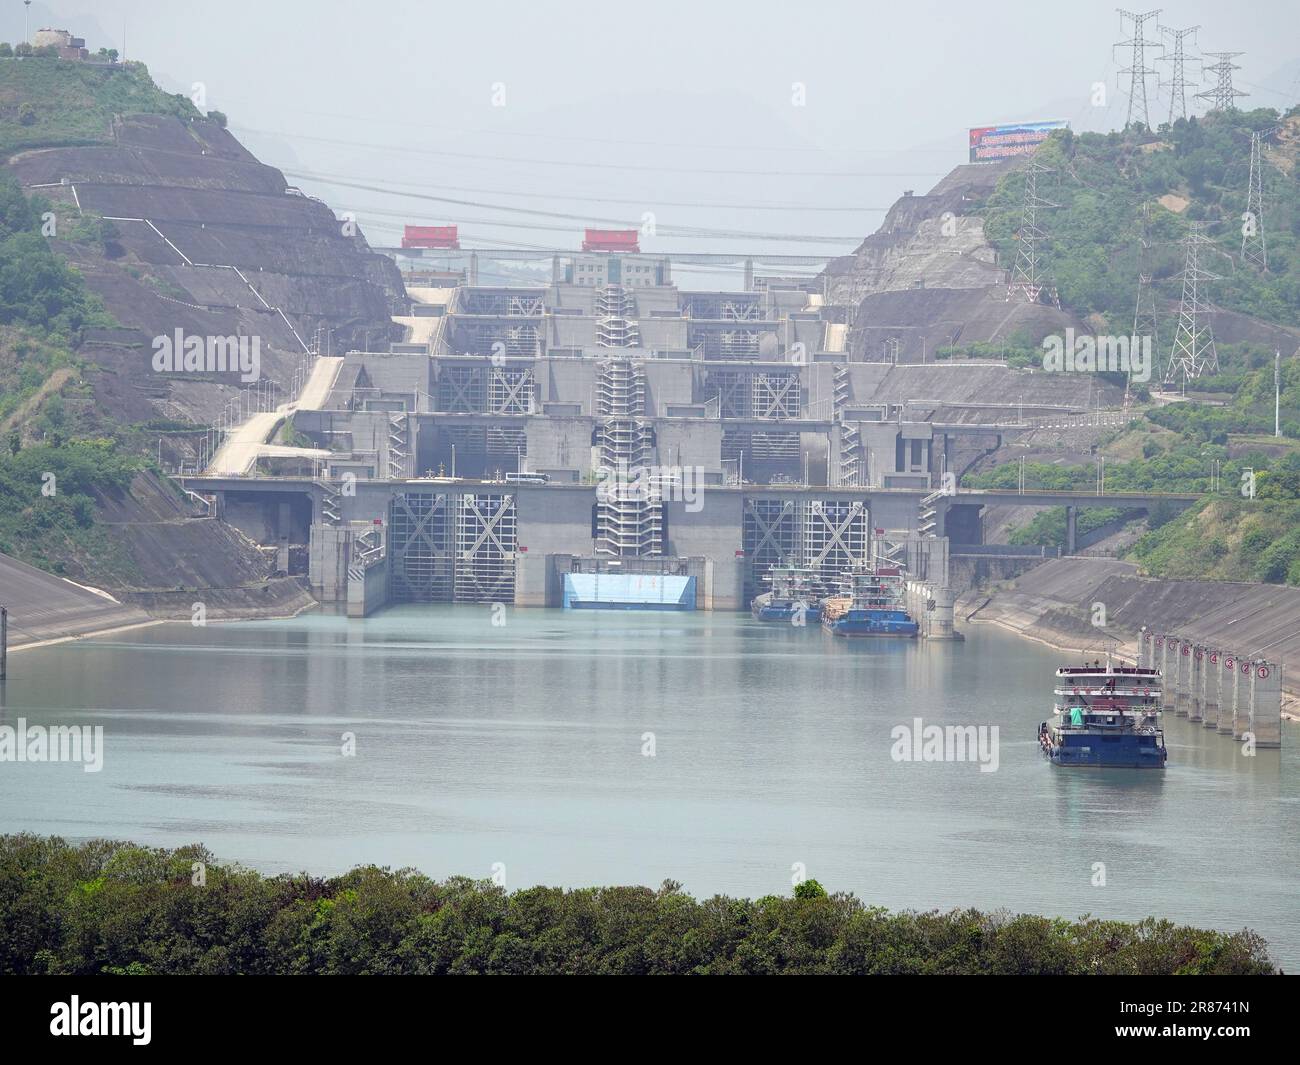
(634, 167)
(370, 120)
(645, 201)
(679, 231)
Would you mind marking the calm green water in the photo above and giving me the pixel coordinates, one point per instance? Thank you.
(522, 745)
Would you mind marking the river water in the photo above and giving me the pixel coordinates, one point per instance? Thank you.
(611, 748)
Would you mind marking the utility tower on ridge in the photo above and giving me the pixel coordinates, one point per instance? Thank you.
(1223, 97)
(1254, 249)
(1137, 69)
(1193, 352)
(1030, 277)
(1144, 313)
(1178, 78)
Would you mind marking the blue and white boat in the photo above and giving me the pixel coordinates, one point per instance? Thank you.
(792, 591)
(1106, 715)
(871, 605)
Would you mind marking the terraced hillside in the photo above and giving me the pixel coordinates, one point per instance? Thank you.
(159, 220)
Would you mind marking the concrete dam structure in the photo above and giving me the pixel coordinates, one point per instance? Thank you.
(612, 423)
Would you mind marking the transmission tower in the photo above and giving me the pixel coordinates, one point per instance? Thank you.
(1144, 313)
(1178, 79)
(1030, 277)
(1223, 97)
(1193, 352)
(1138, 70)
(1254, 250)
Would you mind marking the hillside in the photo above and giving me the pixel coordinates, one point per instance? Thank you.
(126, 215)
(47, 103)
(1196, 170)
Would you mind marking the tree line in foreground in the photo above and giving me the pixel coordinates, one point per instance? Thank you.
(116, 908)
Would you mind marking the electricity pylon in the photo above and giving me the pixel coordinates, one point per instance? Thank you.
(1193, 352)
(1254, 249)
(1137, 70)
(1223, 97)
(1178, 78)
(1144, 313)
(1030, 277)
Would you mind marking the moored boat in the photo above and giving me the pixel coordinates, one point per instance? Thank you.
(791, 596)
(870, 605)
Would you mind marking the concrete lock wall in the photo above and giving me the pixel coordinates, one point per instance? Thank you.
(367, 589)
(327, 563)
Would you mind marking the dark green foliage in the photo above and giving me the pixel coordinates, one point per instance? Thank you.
(36, 288)
(1049, 526)
(76, 103)
(1101, 183)
(42, 528)
(106, 907)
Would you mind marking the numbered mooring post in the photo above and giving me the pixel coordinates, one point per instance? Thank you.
(1212, 676)
(1266, 703)
(1241, 701)
(1227, 691)
(1196, 684)
(1146, 644)
(1180, 665)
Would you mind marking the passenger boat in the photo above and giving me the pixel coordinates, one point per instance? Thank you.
(792, 591)
(870, 604)
(1106, 715)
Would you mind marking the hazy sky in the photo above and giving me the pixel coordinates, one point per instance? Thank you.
(660, 105)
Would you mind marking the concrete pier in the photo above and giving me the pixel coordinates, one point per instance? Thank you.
(1241, 699)
(1180, 669)
(1227, 691)
(932, 607)
(1196, 684)
(1212, 677)
(1266, 703)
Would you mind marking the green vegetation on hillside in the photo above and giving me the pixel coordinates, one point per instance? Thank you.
(105, 907)
(1102, 182)
(47, 102)
(47, 503)
(37, 289)
(1231, 537)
